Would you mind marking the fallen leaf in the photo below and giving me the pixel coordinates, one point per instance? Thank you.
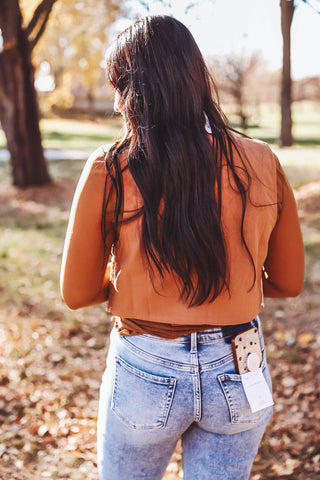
(305, 338)
(288, 468)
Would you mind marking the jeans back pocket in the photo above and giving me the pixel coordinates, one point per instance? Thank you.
(238, 405)
(142, 400)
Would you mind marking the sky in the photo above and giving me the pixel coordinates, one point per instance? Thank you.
(223, 27)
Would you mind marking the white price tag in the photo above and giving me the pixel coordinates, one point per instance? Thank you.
(257, 390)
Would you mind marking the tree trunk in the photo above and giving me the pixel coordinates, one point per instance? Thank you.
(239, 98)
(18, 101)
(90, 98)
(287, 11)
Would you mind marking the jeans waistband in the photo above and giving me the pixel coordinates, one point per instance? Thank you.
(225, 332)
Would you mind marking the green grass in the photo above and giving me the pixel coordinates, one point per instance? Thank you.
(76, 134)
(66, 168)
(265, 124)
(26, 272)
(302, 165)
(83, 134)
(301, 162)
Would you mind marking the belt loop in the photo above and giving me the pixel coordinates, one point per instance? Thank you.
(193, 342)
(255, 322)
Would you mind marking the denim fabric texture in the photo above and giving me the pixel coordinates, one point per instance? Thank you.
(155, 391)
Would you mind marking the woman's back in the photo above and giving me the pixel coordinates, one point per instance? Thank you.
(133, 294)
(199, 226)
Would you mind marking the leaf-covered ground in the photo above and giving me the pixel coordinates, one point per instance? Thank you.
(51, 359)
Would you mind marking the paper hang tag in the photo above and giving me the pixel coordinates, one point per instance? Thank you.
(257, 391)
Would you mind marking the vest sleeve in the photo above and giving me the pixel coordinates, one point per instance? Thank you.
(284, 265)
(84, 276)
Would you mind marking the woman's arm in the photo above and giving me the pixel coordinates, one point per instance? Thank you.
(284, 264)
(84, 274)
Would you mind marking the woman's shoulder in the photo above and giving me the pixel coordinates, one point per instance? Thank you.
(253, 146)
(257, 153)
(98, 156)
(96, 163)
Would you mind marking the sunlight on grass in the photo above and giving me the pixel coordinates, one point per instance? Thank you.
(302, 165)
(66, 168)
(88, 135)
(264, 124)
(30, 272)
(75, 134)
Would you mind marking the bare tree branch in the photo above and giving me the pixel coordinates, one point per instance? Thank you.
(39, 21)
(145, 4)
(190, 6)
(312, 6)
(35, 40)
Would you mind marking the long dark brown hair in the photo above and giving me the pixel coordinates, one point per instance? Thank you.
(166, 96)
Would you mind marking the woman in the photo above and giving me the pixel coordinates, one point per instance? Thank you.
(200, 222)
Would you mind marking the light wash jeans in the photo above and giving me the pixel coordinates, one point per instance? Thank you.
(155, 391)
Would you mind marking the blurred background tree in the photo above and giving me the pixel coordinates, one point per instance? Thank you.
(287, 12)
(18, 102)
(235, 76)
(72, 51)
